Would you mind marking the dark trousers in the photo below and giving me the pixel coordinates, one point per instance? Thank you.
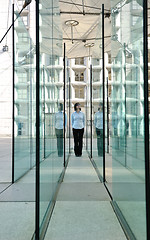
(99, 133)
(59, 135)
(78, 141)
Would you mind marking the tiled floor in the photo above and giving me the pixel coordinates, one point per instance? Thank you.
(83, 210)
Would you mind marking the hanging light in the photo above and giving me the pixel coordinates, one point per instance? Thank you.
(89, 45)
(72, 23)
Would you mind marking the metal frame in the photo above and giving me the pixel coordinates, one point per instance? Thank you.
(91, 106)
(13, 91)
(107, 119)
(146, 115)
(103, 67)
(64, 100)
(43, 108)
(125, 104)
(37, 212)
(69, 117)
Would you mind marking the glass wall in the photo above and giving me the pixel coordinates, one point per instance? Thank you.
(51, 104)
(127, 99)
(24, 131)
(67, 112)
(88, 112)
(24, 100)
(97, 100)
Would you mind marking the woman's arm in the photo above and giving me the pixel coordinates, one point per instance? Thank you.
(95, 120)
(83, 120)
(72, 119)
(65, 119)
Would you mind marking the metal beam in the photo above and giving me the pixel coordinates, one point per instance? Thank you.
(13, 91)
(103, 67)
(37, 213)
(81, 13)
(64, 101)
(80, 5)
(91, 105)
(146, 116)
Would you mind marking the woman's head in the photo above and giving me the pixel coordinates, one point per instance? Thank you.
(77, 106)
(100, 107)
(60, 106)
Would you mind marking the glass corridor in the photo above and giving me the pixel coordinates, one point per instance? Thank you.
(107, 83)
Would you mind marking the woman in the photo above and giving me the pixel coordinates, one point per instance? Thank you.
(59, 126)
(78, 123)
(98, 122)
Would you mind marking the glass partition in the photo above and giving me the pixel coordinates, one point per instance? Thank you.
(67, 112)
(97, 100)
(24, 102)
(24, 131)
(127, 111)
(88, 113)
(51, 104)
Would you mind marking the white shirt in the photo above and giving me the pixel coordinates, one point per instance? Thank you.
(78, 120)
(59, 120)
(98, 120)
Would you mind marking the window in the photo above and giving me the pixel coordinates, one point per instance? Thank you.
(109, 58)
(96, 93)
(79, 93)
(134, 20)
(96, 76)
(22, 93)
(79, 61)
(135, 5)
(79, 76)
(95, 61)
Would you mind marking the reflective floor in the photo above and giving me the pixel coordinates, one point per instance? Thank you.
(83, 209)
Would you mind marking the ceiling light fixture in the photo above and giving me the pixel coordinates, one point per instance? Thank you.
(72, 23)
(89, 45)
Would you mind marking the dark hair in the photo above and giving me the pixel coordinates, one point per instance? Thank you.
(75, 106)
(101, 104)
(61, 106)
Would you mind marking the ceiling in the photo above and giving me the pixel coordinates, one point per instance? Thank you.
(88, 13)
(88, 31)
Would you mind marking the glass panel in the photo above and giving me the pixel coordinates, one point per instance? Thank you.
(88, 111)
(51, 103)
(67, 112)
(97, 98)
(24, 130)
(127, 122)
(24, 109)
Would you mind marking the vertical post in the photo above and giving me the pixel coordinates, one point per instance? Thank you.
(43, 109)
(146, 116)
(125, 87)
(107, 120)
(103, 67)
(30, 112)
(86, 123)
(64, 99)
(91, 104)
(37, 233)
(13, 90)
(69, 116)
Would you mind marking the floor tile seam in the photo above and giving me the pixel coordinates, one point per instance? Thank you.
(84, 201)
(81, 182)
(90, 201)
(16, 201)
